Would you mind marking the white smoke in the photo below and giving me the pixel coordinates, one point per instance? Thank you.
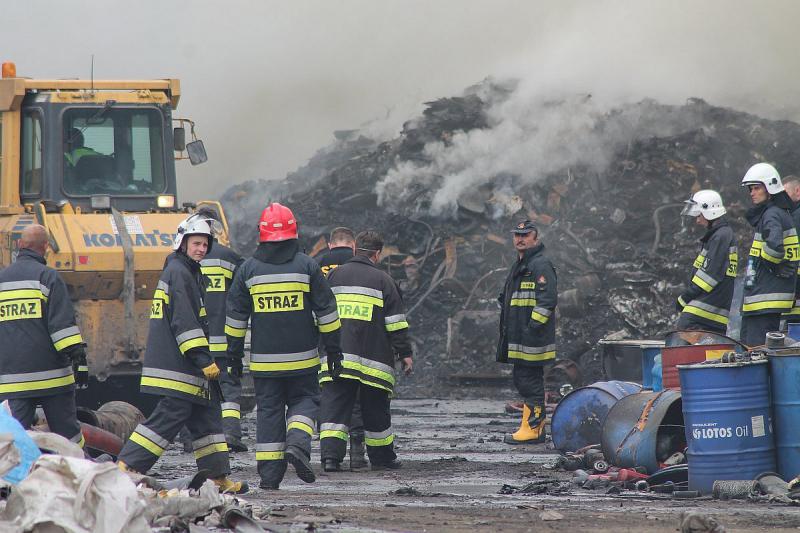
(530, 136)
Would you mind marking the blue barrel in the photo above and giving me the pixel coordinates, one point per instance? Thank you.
(644, 429)
(784, 368)
(794, 331)
(578, 418)
(726, 409)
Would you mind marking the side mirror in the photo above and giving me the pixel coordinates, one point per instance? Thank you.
(197, 152)
(179, 139)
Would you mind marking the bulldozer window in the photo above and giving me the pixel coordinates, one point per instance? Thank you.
(120, 152)
(31, 154)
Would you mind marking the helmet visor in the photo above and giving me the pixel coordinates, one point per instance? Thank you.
(691, 209)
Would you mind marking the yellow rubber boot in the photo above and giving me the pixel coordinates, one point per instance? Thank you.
(226, 485)
(527, 434)
(125, 468)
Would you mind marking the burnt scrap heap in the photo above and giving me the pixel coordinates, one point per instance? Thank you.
(607, 202)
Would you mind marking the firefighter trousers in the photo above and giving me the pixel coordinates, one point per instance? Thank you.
(232, 393)
(59, 410)
(286, 414)
(529, 381)
(338, 398)
(755, 328)
(150, 438)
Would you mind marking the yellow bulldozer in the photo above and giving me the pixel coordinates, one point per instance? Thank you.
(93, 161)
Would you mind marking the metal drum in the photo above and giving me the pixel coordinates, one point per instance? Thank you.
(578, 418)
(672, 356)
(726, 410)
(644, 429)
(784, 368)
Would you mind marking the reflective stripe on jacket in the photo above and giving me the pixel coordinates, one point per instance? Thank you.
(177, 341)
(793, 315)
(37, 325)
(374, 325)
(527, 319)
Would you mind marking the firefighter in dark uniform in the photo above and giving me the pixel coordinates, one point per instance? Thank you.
(528, 329)
(43, 352)
(769, 284)
(178, 365)
(289, 303)
(341, 248)
(706, 303)
(218, 267)
(374, 335)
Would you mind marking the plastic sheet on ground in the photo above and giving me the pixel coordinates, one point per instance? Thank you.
(76, 496)
(17, 450)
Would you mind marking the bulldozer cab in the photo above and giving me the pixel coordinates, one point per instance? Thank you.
(93, 161)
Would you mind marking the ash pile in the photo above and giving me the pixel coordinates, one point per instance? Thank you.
(605, 184)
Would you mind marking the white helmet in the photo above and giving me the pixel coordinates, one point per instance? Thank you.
(765, 174)
(707, 203)
(196, 224)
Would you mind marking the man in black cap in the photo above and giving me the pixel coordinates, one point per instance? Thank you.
(528, 329)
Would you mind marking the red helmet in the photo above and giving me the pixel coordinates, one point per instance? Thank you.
(277, 224)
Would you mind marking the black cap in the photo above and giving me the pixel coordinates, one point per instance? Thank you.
(526, 226)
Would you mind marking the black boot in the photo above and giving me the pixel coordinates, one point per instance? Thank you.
(331, 465)
(394, 464)
(235, 444)
(357, 452)
(301, 464)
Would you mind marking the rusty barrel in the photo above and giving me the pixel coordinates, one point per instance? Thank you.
(726, 410)
(578, 419)
(119, 418)
(644, 429)
(672, 356)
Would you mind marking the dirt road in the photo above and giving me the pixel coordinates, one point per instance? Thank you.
(455, 465)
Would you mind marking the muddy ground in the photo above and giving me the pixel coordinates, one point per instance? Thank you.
(455, 464)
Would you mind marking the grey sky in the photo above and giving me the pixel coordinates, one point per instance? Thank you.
(267, 82)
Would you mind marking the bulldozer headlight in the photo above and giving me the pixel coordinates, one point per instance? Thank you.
(166, 201)
(101, 201)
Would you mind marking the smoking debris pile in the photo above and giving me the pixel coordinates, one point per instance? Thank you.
(605, 183)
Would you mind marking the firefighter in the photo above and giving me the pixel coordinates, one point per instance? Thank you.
(528, 329)
(218, 267)
(769, 284)
(342, 248)
(178, 365)
(44, 353)
(706, 303)
(289, 303)
(791, 185)
(374, 335)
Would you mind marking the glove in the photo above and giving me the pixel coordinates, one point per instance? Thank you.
(235, 366)
(211, 371)
(335, 364)
(79, 366)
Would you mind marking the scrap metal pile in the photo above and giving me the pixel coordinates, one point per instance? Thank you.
(612, 228)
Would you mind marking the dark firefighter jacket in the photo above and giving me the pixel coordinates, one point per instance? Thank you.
(218, 267)
(333, 258)
(794, 314)
(37, 330)
(527, 319)
(177, 343)
(374, 326)
(708, 298)
(772, 264)
(289, 303)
